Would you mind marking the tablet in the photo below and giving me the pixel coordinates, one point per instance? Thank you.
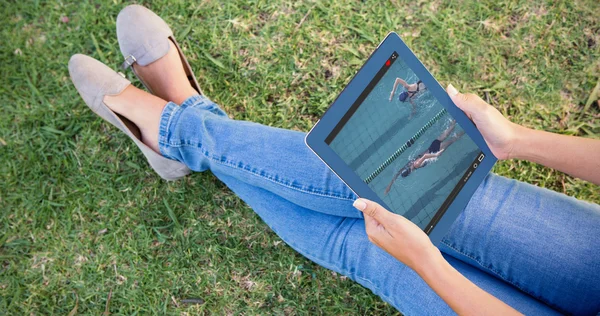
(394, 136)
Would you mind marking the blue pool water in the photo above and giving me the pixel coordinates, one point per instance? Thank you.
(379, 127)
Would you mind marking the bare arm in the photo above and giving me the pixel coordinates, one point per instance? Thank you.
(462, 295)
(420, 161)
(396, 83)
(577, 156)
(408, 243)
(389, 187)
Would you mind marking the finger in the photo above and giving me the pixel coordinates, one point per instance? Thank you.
(371, 223)
(468, 102)
(374, 210)
(374, 230)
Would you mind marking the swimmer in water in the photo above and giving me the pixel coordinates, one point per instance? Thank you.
(436, 148)
(411, 92)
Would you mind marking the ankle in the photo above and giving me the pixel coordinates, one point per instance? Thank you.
(141, 108)
(183, 94)
(118, 103)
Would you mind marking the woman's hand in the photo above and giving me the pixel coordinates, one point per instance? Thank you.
(577, 156)
(409, 244)
(397, 235)
(499, 133)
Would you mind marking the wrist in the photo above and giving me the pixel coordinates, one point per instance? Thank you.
(430, 264)
(519, 144)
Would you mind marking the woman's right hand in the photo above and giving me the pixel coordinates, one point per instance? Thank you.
(499, 133)
(398, 236)
(408, 243)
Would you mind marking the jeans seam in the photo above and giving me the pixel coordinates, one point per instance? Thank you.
(233, 165)
(503, 278)
(228, 164)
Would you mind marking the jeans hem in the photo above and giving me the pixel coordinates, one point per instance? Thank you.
(170, 111)
(170, 114)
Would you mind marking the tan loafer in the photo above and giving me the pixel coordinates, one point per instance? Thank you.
(144, 38)
(94, 80)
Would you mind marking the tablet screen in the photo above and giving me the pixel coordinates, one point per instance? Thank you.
(405, 146)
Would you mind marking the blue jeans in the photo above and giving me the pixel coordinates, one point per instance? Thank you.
(535, 249)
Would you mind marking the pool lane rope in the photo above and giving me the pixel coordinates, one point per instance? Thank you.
(404, 147)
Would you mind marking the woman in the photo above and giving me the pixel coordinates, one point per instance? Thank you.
(531, 249)
(412, 90)
(434, 150)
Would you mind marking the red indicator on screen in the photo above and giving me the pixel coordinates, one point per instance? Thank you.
(387, 63)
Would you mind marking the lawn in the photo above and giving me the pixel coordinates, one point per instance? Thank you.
(87, 227)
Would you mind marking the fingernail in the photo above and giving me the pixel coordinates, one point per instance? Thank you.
(452, 90)
(360, 204)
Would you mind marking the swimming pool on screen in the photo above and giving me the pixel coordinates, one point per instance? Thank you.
(379, 127)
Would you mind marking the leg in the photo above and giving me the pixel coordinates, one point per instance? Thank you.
(204, 137)
(200, 135)
(541, 241)
(450, 141)
(166, 77)
(447, 132)
(142, 108)
(340, 244)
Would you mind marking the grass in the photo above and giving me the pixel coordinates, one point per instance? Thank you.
(87, 227)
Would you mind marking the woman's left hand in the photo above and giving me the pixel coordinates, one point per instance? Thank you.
(398, 236)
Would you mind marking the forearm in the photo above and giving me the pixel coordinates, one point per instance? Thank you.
(396, 83)
(404, 83)
(577, 156)
(462, 295)
(419, 162)
(392, 182)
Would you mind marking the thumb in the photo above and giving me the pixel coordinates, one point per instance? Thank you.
(374, 210)
(470, 103)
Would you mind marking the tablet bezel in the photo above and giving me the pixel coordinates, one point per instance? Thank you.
(315, 139)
